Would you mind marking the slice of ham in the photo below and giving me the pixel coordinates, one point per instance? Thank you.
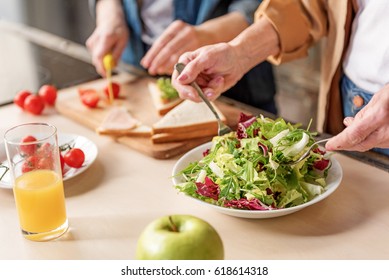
(118, 119)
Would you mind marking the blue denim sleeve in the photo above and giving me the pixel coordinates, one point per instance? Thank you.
(245, 7)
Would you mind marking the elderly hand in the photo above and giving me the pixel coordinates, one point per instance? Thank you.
(215, 68)
(111, 34)
(368, 129)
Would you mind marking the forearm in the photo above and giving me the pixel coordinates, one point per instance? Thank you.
(256, 43)
(109, 10)
(222, 29)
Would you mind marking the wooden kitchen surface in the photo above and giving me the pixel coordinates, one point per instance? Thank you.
(137, 99)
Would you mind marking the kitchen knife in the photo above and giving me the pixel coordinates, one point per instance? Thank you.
(109, 64)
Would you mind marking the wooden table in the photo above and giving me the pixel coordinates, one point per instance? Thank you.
(110, 204)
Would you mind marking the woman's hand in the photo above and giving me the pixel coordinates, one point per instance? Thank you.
(111, 33)
(368, 129)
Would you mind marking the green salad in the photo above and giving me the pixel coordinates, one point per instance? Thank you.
(248, 169)
(168, 92)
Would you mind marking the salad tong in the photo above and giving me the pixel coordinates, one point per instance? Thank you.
(306, 154)
(222, 128)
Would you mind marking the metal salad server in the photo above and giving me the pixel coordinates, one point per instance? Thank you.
(306, 154)
(222, 128)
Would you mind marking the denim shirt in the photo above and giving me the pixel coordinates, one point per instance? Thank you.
(193, 12)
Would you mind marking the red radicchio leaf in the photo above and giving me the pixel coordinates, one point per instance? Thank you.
(244, 122)
(241, 131)
(206, 152)
(319, 151)
(249, 122)
(321, 164)
(244, 203)
(208, 189)
(243, 117)
(264, 148)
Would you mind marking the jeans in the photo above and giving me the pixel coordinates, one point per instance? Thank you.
(350, 91)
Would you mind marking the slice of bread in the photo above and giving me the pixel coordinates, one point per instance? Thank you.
(119, 122)
(182, 136)
(188, 120)
(161, 106)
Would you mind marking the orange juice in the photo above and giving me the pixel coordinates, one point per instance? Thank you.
(40, 201)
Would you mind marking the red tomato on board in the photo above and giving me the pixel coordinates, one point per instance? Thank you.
(89, 97)
(115, 90)
(75, 157)
(48, 94)
(34, 104)
(28, 149)
(20, 97)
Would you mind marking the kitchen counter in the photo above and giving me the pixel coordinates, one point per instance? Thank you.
(110, 204)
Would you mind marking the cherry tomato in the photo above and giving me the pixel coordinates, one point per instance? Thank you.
(82, 91)
(28, 149)
(115, 90)
(89, 97)
(75, 157)
(45, 163)
(29, 164)
(45, 150)
(20, 97)
(34, 104)
(48, 94)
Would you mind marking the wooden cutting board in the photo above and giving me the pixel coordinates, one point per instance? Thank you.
(135, 97)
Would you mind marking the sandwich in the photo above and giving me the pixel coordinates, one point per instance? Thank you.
(164, 96)
(188, 120)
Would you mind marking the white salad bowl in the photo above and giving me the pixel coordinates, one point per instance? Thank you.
(333, 180)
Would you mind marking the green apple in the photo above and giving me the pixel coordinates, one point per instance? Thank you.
(179, 237)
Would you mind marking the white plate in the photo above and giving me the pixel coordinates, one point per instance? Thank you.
(88, 147)
(334, 178)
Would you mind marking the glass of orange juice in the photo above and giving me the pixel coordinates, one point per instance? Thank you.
(34, 161)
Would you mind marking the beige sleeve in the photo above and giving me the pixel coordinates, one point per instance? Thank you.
(299, 24)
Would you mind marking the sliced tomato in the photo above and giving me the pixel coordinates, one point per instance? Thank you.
(90, 100)
(84, 91)
(115, 90)
(89, 97)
